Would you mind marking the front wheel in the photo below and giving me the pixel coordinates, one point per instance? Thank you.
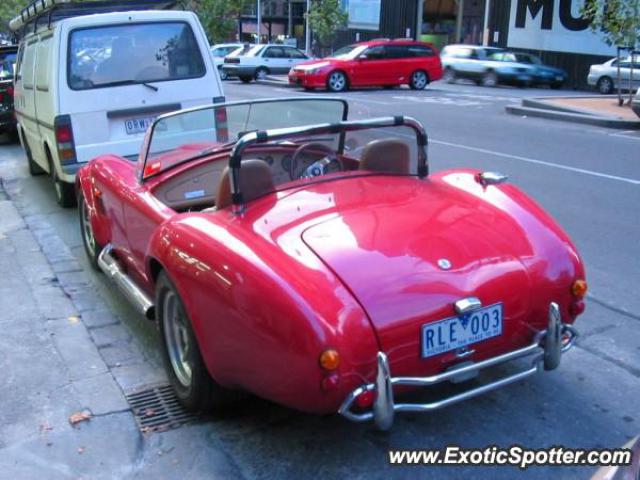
(188, 375)
(337, 82)
(223, 75)
(91, 247)
(419, 80)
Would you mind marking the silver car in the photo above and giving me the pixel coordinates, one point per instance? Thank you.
(487, 66)
(604, 77)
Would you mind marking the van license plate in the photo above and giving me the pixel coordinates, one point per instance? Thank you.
(457, 332)
(133, 126)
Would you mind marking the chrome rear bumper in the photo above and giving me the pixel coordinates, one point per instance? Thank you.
(546, 349)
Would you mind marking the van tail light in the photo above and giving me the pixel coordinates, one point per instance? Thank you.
(64, 139)
(222, 127)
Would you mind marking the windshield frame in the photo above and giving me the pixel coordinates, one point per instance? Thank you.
(144, 156)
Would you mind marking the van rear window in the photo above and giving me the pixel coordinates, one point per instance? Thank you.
(133, 53)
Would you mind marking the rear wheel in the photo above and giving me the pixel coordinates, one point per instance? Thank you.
(91, 247)
(449, 75)
(605, 85)
(337, 82)
(191, 381)
(65, 192)
(261, 73)
(419, 80)
(489, 79)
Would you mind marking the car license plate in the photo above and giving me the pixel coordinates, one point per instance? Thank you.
(457, 332)
(134, 126)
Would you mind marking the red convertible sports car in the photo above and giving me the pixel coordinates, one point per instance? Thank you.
(286, 251)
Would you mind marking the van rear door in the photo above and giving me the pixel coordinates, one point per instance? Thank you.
(119, 75)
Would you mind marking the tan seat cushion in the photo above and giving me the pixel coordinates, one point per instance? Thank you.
(386, 156)
(256, 180)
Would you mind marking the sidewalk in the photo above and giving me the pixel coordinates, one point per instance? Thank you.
(65, 358)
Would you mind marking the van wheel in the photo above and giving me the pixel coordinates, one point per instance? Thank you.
(65, 192)
(419, 80)
(34, 168)
(186, 369)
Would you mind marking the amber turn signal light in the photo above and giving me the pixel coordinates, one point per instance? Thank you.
(579, 288)
(329, 359)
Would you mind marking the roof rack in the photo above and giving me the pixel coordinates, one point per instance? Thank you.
(55, 10)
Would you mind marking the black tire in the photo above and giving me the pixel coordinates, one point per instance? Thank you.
(245, 79)
(91, 247)
(65, 192)
(419, 80)
(337, 81)
(449, 75)
(489, 79)
(605, 85)
(34, 169)
(261, 73)
(223, 75)
(200, 393)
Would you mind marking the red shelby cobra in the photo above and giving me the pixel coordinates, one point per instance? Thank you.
(286, 251)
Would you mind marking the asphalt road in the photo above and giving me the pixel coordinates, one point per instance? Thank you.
(588, 178)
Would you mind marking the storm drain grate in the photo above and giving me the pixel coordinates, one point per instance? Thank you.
(157, 409)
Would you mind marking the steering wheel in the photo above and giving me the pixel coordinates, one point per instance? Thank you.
(319, 167)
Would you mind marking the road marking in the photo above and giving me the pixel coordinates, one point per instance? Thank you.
(439, 100)
(539, 162)
(629, 134)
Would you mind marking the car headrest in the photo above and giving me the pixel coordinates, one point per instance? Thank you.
(386, 156)
(256, 180)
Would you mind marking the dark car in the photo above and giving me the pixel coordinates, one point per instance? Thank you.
(542, 74)
(8, 56)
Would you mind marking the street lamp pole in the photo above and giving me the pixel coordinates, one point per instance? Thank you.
(259, 23)
(307, 31)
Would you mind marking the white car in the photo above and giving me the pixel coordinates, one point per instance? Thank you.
(487, 66)
(604, 77)
(221, 50)
(262, 60)
(89, 85)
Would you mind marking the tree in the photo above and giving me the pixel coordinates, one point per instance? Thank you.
(218, 17)
(325, 17)
(619, 23)
(8, 10)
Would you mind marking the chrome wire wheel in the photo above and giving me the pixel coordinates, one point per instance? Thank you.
(87, 229)
(419, 80)
(337, 82)
(177, 338)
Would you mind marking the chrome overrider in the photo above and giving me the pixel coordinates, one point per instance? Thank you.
(547, 348)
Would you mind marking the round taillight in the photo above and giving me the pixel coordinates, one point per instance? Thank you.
(579, 288)
(329, 359)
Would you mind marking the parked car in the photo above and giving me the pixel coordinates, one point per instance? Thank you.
(262, 60)
(635, 103)
(218, 52)
(314, 261)
(485, 65)
(92, 84)
(542, 74)
(604, 77)
(8, 55)
(385, 63)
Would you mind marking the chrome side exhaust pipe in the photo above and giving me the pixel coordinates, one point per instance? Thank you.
(109, 265)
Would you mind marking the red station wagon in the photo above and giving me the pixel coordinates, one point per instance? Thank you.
(374, 63)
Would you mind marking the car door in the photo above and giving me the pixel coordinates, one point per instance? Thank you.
(400, 64)
(370, 67)
(275, 60)
(295, 57)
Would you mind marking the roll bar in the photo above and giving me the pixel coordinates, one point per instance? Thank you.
(262, 136)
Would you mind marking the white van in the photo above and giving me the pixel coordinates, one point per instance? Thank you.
(91, 84)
